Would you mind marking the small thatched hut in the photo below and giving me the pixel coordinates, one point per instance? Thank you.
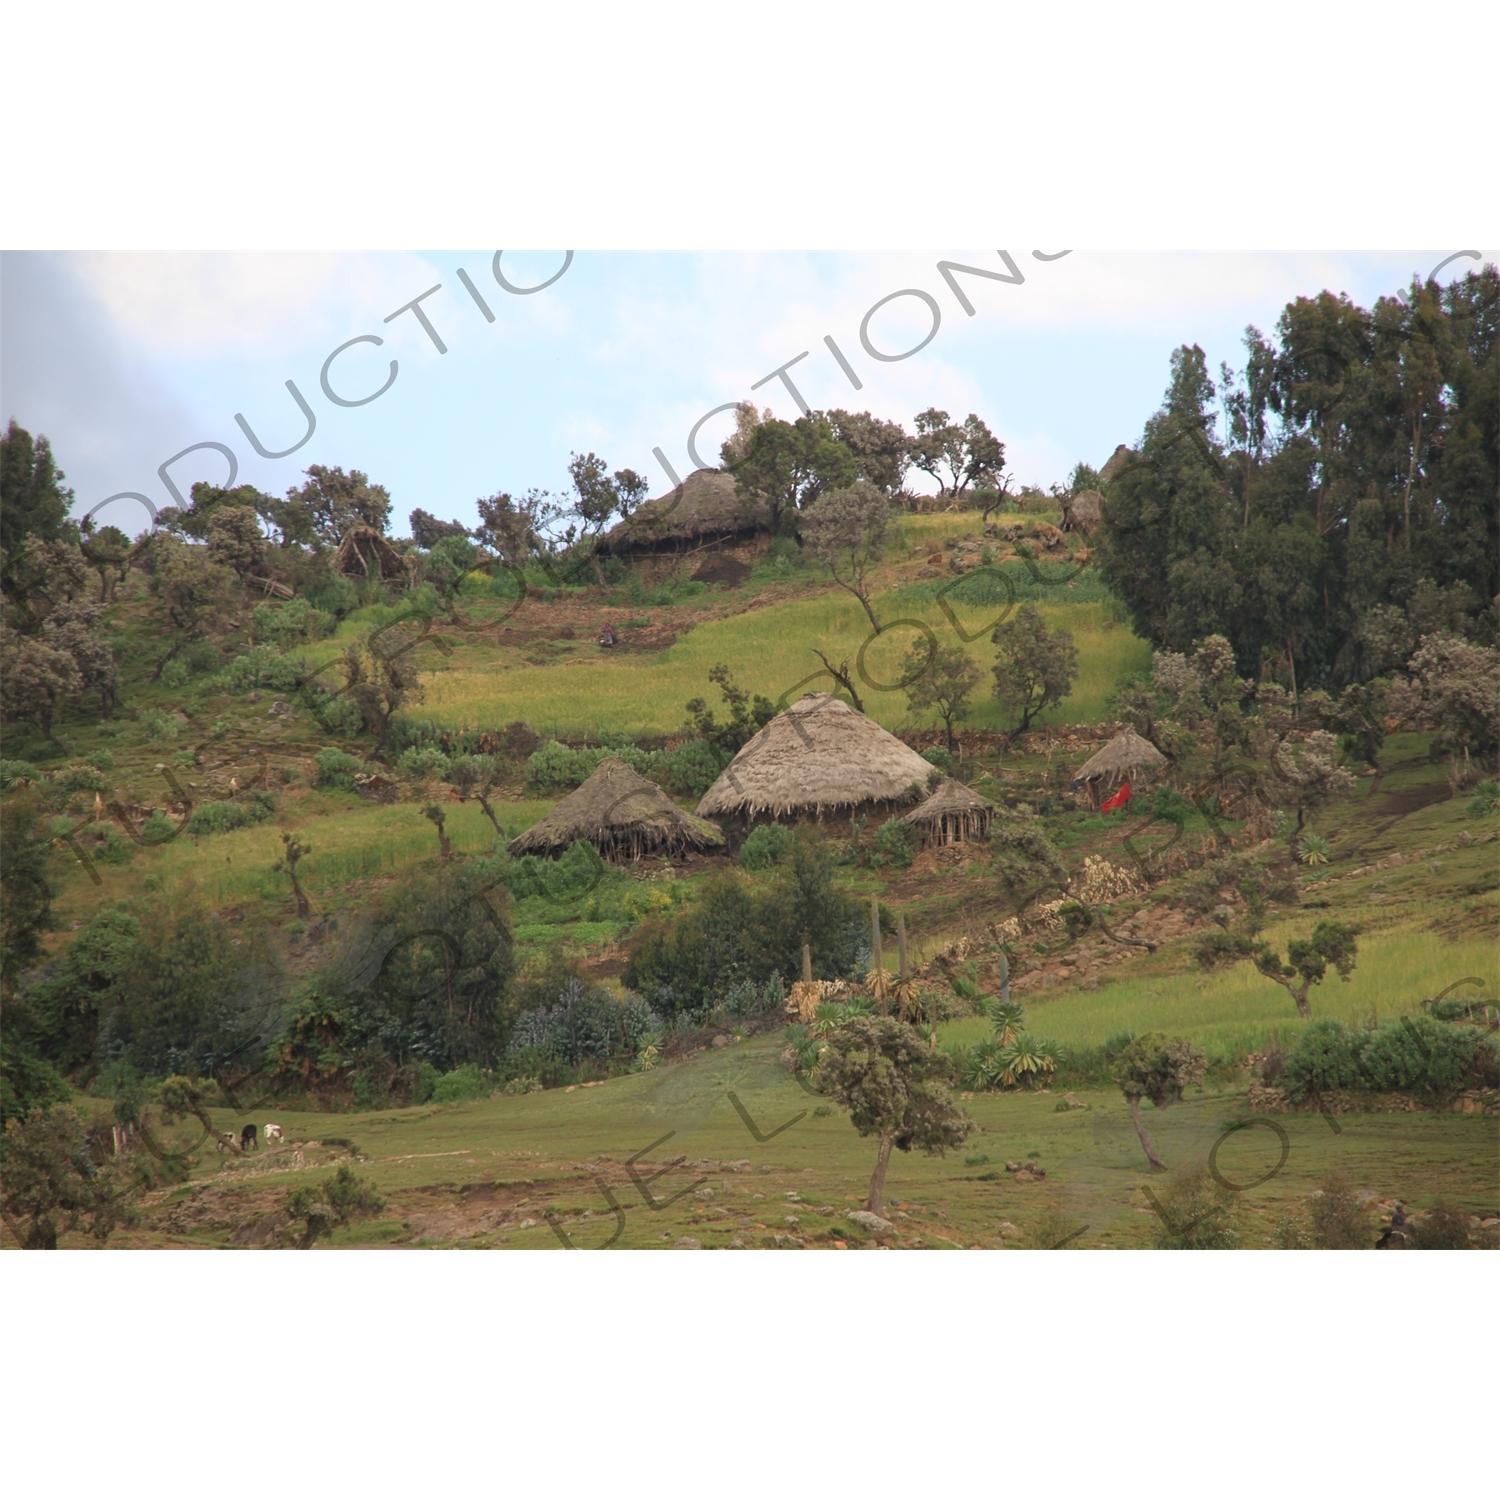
(952, 815)
(704, 508)
(364, 553)
(819, 756)
(623, 816)
(1127, 757)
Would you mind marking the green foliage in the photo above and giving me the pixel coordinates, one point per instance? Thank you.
(224, 817)
(56, 1184)
(33, 500)
(747, 716)
(265, 666)
(1486, 799)
(1340, 1221)
(1156, 1068)
(1417, 1055)
(1196, 1214)
(344, 1199)
(584, 1023)
(175, 674)
(295, 623)
(335, 769)
(1025, 864)
(694, 766)
(423, 764)
(940, 758)
(459, 1086)
(1444, 1226)
(765, 846)
(1035, 666)
(893, 845)
(86, 987)
(13, 772)
(159, 728)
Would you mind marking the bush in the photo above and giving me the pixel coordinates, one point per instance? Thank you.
(694, 767)
(78, 779)
(585, 1024)
(102, 760)
(1339, 1220)
(158, 828)
(1196, 1214)
(523, 1085)
(459, 1085)
(12, 771)
(224, 817)
(765, 846)
(571, 876)
(893, 845)
(175, 674)
(940, 758)
(264, 666)
(1443, 1227)
(423, 764)
(335, 769)
(1417, 1055)
(296, 622)
(159, 728)
(1485, 800)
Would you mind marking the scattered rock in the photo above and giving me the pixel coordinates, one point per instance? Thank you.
(687, 1242)
(1007, 1230)
(721, 1041)
(870, 1223)
(785, 1242)
(1071, 1101)
(794, 1197)
(737, 1243)
(704, 1193)
(792, 1219)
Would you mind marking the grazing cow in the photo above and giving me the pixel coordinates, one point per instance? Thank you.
(273, 1133)
(248, 1140)
(225, 1140)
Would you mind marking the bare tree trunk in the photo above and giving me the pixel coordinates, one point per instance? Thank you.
(489, 812)
(876, 1201)
(1135, 1116)
(840, 675)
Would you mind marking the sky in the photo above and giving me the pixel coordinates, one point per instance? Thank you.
(125, 359)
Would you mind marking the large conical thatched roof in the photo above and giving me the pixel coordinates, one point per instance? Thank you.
(706, 504)
(952, 814)
(1123, 756)
(622, 815)
(820, 755)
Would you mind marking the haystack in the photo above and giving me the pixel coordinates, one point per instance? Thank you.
(705, 507)
(819, 756)
(1083, 511)
(364, 553)
(623, 816)
(952, 815)
(1127, 757)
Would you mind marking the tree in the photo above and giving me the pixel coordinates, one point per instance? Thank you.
(86, 987)
(38, 577)
(26, 910)
(880, 448)
(846, 530)
(107, 551)
(971, 454)
(1302, 778)
(1456, 684)
(1026, 865)
(380, 683)
(894, 1087)
(439, 819)
(333, 502)
(513, 528)
(1152, 1067)
(445, 567)
(1035, 667)
(941, 683)
(786, 467)
(427, 531)
(235, 540)
(600, 499)
(747, 717)
(341, 1200)
(804, 905)
(33, 499)
(76, 629)
(193, 593)
(53, 1186)
(36, 680)
(293, 849)
(1306, 963)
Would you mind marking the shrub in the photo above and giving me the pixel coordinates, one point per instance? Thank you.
(158, 828)
(78, 779)
(765, 846)
(295, 622)
(424, 1082)
(159, 728)
(12, 771)
(523, 1085)
(175, 674)
(114, 848)
(940, 758)
(893, 845)
(1443, 1227)
(224, 817)
(102, 760)
(1485, 800)
(264, 666)
(694, 767)
(335, 769)
(1196, 1214)
(422, 764)
(1417, 1055)
(461, 1084)
(585, 1024)
(1340, 1221)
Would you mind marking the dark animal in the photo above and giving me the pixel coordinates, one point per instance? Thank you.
(248, 1139)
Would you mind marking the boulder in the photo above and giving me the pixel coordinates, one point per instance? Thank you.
(870, 1223)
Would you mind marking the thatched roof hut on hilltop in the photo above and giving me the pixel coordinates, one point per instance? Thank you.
(1127, 757)
(952, 815)
(819, 756)
(623, 816)
(705, 507)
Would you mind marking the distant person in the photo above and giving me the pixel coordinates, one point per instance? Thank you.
(608, 636)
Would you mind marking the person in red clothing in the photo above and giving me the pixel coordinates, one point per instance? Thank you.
(1119, 799)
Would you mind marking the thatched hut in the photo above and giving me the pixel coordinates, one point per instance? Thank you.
(364, 553)
(704, 508)
(623, 816)
(952, 815)
(820, 756)
(1127, 757)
